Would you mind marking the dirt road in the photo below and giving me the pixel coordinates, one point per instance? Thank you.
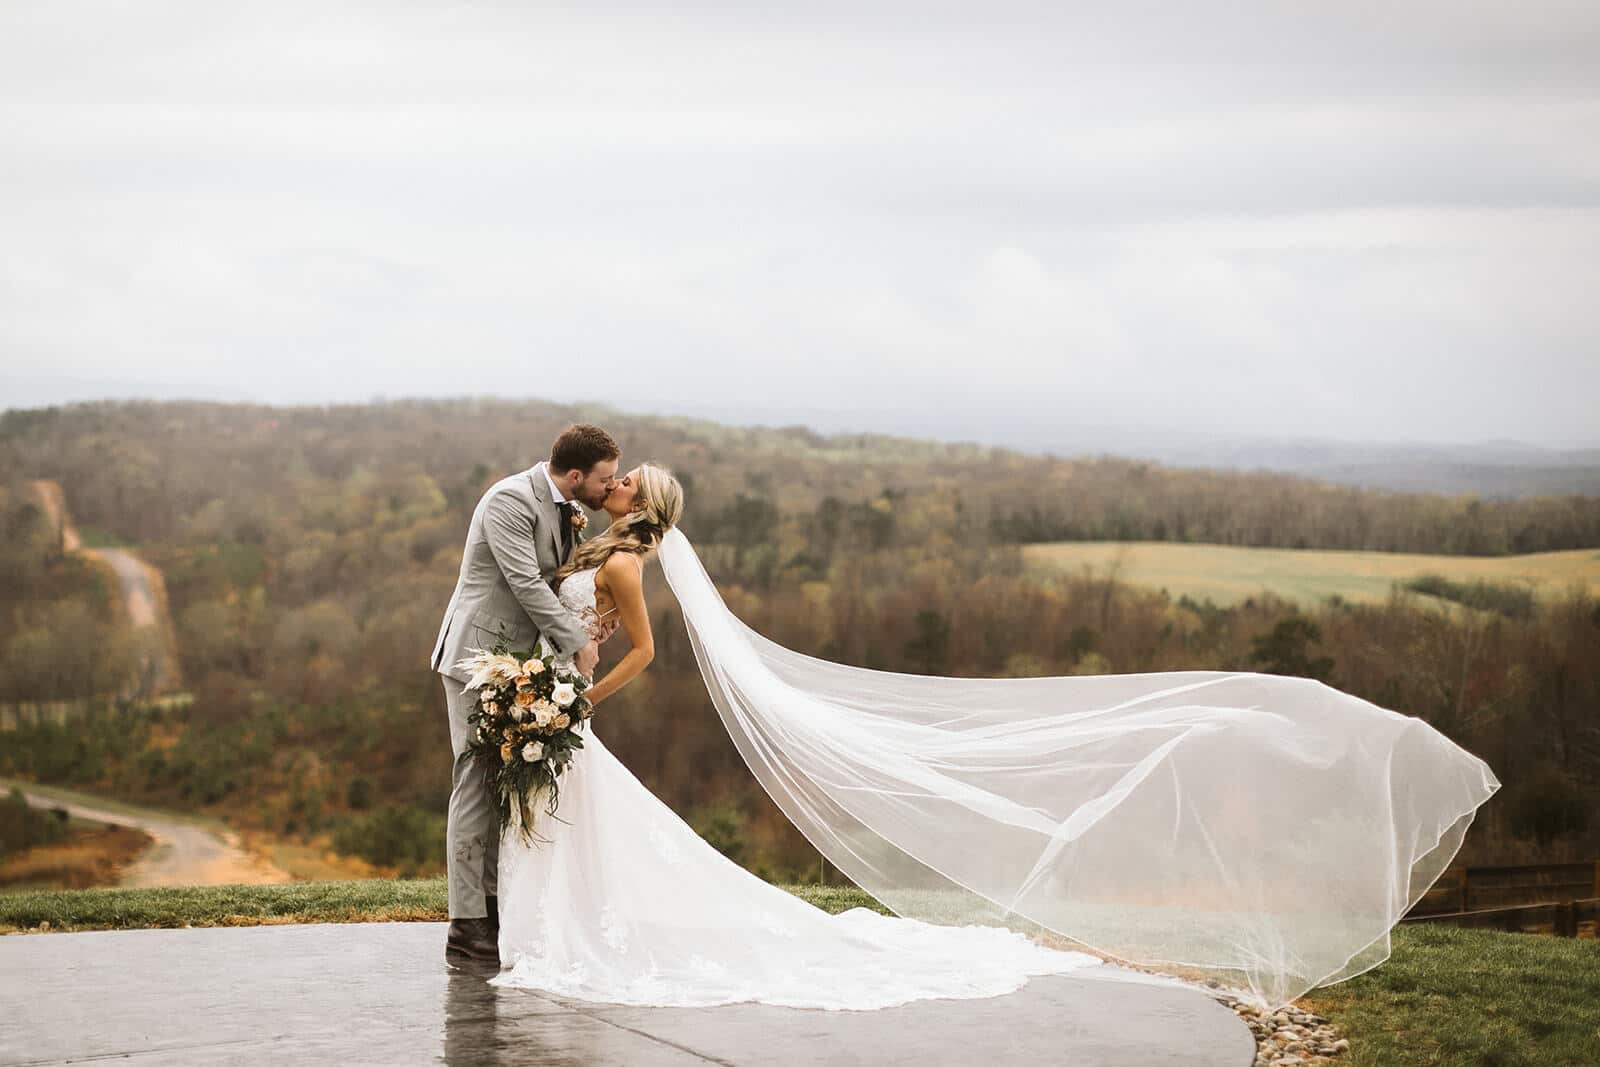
(137, 590)
(184, 853)
(143, 592)
(54, 502)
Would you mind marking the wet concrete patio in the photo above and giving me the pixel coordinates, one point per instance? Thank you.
(380, 993)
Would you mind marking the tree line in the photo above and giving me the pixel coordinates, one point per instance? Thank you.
(309, 553)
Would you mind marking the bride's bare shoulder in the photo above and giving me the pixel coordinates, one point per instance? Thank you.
(624, 569)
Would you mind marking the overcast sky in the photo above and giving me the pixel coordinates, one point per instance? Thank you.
(1356, 220)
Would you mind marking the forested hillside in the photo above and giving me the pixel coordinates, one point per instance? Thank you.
(309, 553)
(63, 633)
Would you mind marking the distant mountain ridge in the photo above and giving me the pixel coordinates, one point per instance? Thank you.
(1500, 468)
(1496, 468)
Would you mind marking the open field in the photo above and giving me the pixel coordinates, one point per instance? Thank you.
(1228, 574)
(1445, 998)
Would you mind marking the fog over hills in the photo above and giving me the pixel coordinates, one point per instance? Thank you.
(1496, 467)
(1500, 468)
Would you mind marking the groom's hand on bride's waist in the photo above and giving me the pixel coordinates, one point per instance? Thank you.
(587, 659)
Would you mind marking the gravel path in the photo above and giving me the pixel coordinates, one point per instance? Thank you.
(184, 853)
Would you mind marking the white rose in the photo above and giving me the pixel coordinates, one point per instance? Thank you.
(564, 694)
(533, 752)
(543, 714)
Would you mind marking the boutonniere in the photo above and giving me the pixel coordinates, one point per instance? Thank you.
(579, 521)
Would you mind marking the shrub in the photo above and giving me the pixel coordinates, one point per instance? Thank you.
(23, 827)
(722, 826)
(359, 794)
(1287, 650)
(1546, 805)
(406, 838)
(1512, 601)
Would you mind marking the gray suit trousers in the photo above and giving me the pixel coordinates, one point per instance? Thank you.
(472, 833)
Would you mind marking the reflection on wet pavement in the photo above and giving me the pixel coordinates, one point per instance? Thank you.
(382, 993)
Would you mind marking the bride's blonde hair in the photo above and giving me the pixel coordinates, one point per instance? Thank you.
(659, 504)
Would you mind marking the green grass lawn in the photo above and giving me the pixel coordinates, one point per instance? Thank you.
(1448, 997)
(1445, 998)
(377, 900)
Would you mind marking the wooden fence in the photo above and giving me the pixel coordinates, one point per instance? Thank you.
(1572, 918)
(1546, 898)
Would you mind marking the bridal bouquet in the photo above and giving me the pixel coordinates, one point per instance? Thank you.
(524, 727)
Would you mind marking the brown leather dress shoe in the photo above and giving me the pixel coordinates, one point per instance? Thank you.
(472, 939)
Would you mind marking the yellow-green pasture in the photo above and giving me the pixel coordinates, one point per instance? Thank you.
(1229, 574)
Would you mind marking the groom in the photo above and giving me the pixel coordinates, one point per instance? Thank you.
(521, 532)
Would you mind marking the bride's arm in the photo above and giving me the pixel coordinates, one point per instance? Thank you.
(623, 572)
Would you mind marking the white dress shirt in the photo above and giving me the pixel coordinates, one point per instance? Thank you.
(554, 491)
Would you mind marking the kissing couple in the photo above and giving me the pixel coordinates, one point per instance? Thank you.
(1269, 830)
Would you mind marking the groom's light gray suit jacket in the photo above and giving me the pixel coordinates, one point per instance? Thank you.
(513, 551)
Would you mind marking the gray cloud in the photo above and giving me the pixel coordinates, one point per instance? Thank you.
(1363, 221)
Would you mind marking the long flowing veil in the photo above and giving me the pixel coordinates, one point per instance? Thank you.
(1269, 829)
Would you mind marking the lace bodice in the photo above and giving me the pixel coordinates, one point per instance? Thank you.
(577, 595)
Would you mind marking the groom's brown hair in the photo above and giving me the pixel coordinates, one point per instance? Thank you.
(580, 447)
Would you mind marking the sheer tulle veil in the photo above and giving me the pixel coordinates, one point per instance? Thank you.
(1270, 830)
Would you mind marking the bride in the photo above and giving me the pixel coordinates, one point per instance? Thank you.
(1267, 831)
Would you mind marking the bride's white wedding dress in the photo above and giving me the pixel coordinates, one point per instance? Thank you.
(1269, 830)
(623, 902)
